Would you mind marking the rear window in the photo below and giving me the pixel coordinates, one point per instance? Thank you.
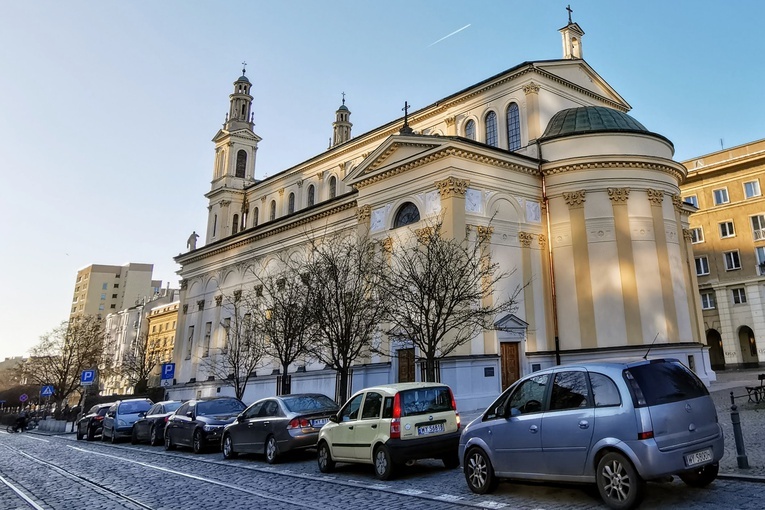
(134, 407)
(666, 382)
(219, 407)
(306, 404)
(425, 400)
(102, 411)
(172, 406)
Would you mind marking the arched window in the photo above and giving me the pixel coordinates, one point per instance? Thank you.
(491, 129)
(513, 128)
(470, 130)
(255, 217)
(332, 187)
(272, 213)
(235, 224)
(291, 204)
(406, 215)
(215, 224)
(244, 220)
(241, 163)
(311, 195)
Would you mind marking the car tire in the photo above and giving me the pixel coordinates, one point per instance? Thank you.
(383, 463)
(619, 483)
(228, 447)
(272, 450)
(154, 438)
(479, 473)
(700, 477)
(79, 434)
(168, 441)
(197, 442)
(451, 461)
(134, 437)
(324, 457)
(91, 434)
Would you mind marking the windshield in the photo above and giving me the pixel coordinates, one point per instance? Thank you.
(134, 407)
(172, 406)
(306, 403)
(223, 406)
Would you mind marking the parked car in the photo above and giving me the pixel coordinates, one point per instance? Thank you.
(277, 425)
(121, 416)
(390, 425)
(199, 423)
(91, 424)
(612, 424)
(150, 427)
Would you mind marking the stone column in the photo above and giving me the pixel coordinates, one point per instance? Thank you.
(452, 192)
(525, 239)
(532, 110)
(656, 197)
(224, 220)
(364, 215)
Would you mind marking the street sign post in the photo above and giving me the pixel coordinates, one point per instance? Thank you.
(47, 391)
(23, 397)
(87, 377)
(168, 374)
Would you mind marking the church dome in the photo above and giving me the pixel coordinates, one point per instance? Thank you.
(244, 79)
(343, 108)
(591, 119)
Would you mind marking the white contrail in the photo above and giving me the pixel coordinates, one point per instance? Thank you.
(446, 37)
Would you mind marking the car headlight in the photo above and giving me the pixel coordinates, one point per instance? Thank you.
(210, 428)
(122, 423)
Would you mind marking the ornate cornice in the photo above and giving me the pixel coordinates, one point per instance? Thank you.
(618, 195)
(575, 198)
(605, 165)
(655, 196)
(452, 187)
(525, 239)
(363, 213)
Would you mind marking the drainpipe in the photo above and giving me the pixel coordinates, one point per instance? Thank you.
(553, 298)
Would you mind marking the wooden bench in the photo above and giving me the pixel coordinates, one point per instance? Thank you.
(757, 393)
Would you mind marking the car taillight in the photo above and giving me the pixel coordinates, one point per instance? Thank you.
(298, 423)
(167, 418)
(645, 435)
(454, 408)
(98, 418)
(395, 423)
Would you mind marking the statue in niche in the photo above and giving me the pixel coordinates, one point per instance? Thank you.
(191, 244)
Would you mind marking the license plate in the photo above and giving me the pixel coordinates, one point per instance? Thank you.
(693, 459)
(430, 429)
(319, 423)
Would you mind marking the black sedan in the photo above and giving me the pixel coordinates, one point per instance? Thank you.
(199, 423)
(151, 427)
(276, 425)
(92, 424)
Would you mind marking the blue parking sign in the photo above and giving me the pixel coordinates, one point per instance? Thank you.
(168, 370)
(87, 377)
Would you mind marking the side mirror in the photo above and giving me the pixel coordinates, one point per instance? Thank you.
(514, 411)
(334, 418)
(502, 411)
(190, 414)
(240, 418)
(141, 415)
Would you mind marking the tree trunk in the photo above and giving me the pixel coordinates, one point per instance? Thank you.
(430, 370)
(342, 388)
(285, 381)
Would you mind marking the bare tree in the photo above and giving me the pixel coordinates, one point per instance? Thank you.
(283, 296)
(235, 363)
(138, 364)
(62, 354)
(444, 293)
(344, 275)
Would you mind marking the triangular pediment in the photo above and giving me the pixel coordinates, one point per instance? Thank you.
(579, 73)
(511, 323)
(244, 134)
(394, 151)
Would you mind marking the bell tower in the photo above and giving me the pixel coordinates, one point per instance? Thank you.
(341, 128)
(236, 146)
(572, 38)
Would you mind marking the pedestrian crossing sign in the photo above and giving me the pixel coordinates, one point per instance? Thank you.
(46, 391)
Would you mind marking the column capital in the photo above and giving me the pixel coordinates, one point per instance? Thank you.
(531, 88)
(687, 234)
(542, 240)
(525, 239)
(575, 198)
(484, 233)
(655, 196)
(185, 309)
(452, 187)
(201, 304)
(387, 245)
(424, 234)
(618, 195)
(450, 121)
(364, 213)
(225, 203)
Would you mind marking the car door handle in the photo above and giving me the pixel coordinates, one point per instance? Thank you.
(374, 426)
(584, 424)
(266, 423)
(533, 429)
(350, 428)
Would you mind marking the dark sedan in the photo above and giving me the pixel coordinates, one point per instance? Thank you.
(151, 427)
(199, 423)
(92, 424)
(276, 425)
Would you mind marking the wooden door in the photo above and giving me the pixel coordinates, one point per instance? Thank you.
(511, 367)
(405, 365)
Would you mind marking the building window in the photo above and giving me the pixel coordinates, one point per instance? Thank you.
(104, 286)
(697, 235)
(758, 227)
(103, 296)
(114, 296)
(721, 196)
(291, 203)
(215, 224)
(241, 163)
(113, 306)
(406, 215)
(272, 213)
(739, 296)
(491, 129)
(311, 195)
(513, 127)
(116, 285)
(726, 229)
(208, 331)
(702, 266)
(190, 342)
(470, 130)
(255, 217)
(691, 199)
(732, 261)
(332, 187)
(101, 308)
(752, 189)
(235, 224)
(707, 300)
(760, 254)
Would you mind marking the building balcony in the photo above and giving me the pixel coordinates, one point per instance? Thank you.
(759, 235)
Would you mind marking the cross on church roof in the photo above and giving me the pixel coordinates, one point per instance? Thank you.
(570, 10)
(343, 97)
(244, 64)
(406, 129)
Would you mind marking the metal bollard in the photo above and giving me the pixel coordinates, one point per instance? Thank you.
(743, 462)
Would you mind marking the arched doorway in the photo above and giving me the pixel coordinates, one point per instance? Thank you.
(748, 346)
(716, 356)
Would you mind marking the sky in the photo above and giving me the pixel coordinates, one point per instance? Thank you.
(108, 108)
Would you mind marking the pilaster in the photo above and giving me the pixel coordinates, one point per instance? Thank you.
(582, 275)
(452, 192)
(656, 198)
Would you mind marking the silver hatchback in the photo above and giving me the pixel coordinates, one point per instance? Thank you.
(613, 424)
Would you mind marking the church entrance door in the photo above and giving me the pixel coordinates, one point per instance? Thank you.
(406, 365)
(511, 366)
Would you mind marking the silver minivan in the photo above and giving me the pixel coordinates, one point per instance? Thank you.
(613, 424)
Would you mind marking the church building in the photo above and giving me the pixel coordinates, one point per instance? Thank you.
(575, 198)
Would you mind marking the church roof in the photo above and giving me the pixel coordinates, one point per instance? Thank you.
(244, 79)
(591, 119)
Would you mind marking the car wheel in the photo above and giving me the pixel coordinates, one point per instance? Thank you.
(700, 477)
(91, 434)
(168, 442)
(383, 464)
(154, 438)
(272, 450)
(228, 447)
(79, 434)
(479, 473)
(618, 482)
(134, 437)
(451, 461)
(326, 464)
(197, 443)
